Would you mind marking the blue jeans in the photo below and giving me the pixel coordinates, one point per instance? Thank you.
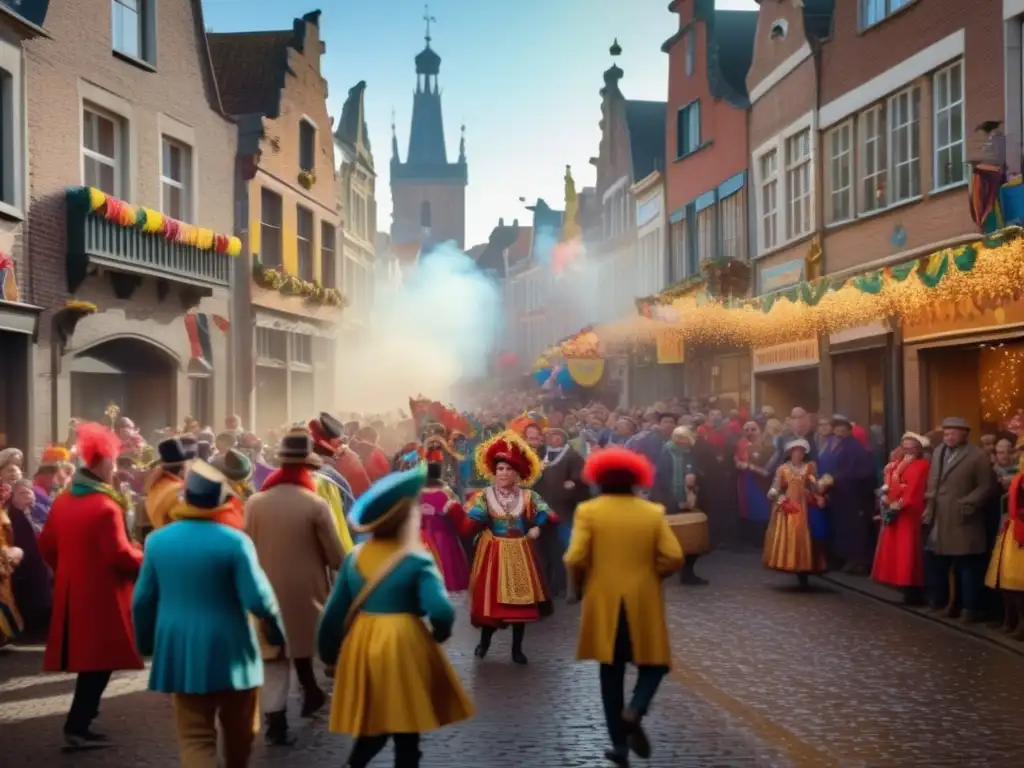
(969, 571)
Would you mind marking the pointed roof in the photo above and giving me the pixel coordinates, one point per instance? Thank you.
(250, 67)
(351, 130)
(645, 121)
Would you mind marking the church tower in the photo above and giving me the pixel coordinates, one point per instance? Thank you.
(428, 193)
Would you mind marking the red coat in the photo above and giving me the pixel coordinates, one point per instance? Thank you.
(95, 565)
(351, 468)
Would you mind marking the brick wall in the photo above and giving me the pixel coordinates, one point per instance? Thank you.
(447, 208)
(76, 64)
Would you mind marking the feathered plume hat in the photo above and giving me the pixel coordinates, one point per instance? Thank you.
(508, 448)
(437, 424)
(619, 465)
(528, 419)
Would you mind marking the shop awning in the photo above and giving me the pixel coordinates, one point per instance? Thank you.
(16, 317)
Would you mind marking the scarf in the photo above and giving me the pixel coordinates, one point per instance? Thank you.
(291, 474)
(681, 465)
(85, 482)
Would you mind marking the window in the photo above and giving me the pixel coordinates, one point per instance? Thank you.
(359, 217)
(175, 178)
(769, 168)
(905, 145)
(950, 166)
(873, 160)
(270, 228)
(840, 173)
(425, 214)
(874, 11)
(732, 213)
(688, 129)
(129, 26)
(12, 148)
(307, 145)
(706, 234)
(690, 44)
(304, 242)
(677, 248)
(102, 151)
(798, 184)
(328, 257)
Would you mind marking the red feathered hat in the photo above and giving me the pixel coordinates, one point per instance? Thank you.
(96, 442)
(509, 448)
(618, 461)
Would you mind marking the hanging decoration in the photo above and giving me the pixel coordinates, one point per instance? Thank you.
(942, 286)
(152, 222)
(276, 279)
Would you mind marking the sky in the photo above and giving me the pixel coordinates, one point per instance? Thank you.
(523, 77)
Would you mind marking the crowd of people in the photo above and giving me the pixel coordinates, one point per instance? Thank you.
(336, 540)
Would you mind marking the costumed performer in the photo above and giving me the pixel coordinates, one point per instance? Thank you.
(86, 544)
(442, 516)
(11, 624)
(789, 545)
(439, 437)
(506, 583)
(332, 483)
(392, 680)
(899, 554)
(199, 583)
(1006, 568)
(621, 549)
(165, 481)
(49, 480)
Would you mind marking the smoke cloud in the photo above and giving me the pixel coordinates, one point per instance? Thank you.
(439, 326)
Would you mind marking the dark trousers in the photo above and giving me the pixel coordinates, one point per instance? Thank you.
(613, 686)
(969, 571)
(407, 750)
(85, 705)
(518, 632)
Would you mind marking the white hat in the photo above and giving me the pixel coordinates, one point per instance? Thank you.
(798, 443)
(923, 441)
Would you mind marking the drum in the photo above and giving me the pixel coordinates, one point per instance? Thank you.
(691, 528)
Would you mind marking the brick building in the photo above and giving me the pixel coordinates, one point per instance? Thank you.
(902, 91)
(785, 179)
(19, 320)
(706, 182)
(286, 302)
(127, 104)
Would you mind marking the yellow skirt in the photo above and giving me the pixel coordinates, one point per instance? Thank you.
(1006, 568)
(393, 678)
(788, 545)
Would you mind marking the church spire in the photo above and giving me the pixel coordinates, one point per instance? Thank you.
(426, 138)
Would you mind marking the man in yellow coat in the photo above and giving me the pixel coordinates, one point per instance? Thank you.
(620, 550)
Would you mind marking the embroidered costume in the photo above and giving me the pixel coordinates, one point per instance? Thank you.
(506, 582)
(442, 515)
(392, 678)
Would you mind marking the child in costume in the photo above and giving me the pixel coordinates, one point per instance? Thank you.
(393, 680)
(507, 516)
(442, 514)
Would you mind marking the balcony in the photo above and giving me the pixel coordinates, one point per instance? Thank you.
(132, 243)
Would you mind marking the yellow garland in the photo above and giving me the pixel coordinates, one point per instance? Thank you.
(510, 437)
(996, 277)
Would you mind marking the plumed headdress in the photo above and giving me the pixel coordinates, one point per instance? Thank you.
(509, 448)
(96, 442)
(531, 419)
(616, 462)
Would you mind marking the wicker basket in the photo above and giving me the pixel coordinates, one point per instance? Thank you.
(691, 528)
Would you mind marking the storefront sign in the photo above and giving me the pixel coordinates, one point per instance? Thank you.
(647, 210)
(859, 333)
(781, 357)
(670, 348)
(950, 319)
(784, 275)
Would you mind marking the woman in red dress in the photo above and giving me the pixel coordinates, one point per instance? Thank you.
(506, 585)
(899, 557)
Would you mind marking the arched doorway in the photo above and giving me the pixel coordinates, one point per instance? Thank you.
(134, 374)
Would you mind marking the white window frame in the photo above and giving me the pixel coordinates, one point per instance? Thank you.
(12, 132)
(768, 179)
(798, 166)
(877, 198)
(838, 155)
(118, 161)
(937, 114)
(185, 185)
(777, 143)
(912, 125)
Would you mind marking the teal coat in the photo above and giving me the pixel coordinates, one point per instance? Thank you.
(200, 580)
(415, 586)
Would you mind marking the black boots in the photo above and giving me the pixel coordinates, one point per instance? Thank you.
(487, 634)
(277, 734)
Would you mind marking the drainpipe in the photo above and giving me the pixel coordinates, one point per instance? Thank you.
(825, 388)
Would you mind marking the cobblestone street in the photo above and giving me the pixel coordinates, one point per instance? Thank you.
(765, 676)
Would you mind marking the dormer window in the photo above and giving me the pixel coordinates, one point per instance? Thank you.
(779, 29)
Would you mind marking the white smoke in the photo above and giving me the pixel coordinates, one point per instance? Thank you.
(439, 326)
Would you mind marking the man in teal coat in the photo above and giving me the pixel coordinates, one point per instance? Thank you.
(200, 582)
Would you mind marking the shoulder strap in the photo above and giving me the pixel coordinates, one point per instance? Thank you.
(372, 583)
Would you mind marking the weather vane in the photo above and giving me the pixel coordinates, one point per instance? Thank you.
(429, 19)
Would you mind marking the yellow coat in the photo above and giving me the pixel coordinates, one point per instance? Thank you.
(162, 497)
(625, 547)
(329, 492)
